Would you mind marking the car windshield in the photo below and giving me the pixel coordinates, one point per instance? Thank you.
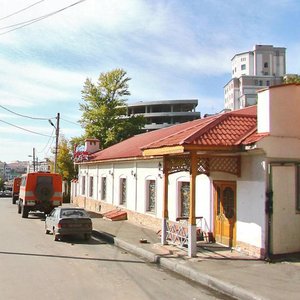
(70, 213)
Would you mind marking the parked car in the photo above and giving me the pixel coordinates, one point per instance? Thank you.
(8, 193)
(68, 221)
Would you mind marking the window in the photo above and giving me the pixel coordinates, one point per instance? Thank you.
(103, 188)
(243, 67)
(260, 82)
(268, 83)
(123, 191)
(91, 186)
(151, 196)
(184, 194)
(83, 185)
(266, 65)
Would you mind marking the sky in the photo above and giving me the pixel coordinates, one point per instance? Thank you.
(171, 49)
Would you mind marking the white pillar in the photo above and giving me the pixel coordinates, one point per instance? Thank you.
(164, 231)
(192, 244)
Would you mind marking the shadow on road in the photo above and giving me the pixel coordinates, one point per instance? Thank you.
(71, 257)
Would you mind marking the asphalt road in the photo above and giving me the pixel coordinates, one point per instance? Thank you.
(33, 266)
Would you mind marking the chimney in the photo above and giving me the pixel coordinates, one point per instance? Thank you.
(92, 145)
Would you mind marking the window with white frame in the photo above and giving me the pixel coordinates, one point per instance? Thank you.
(184, 198)
(83, 185)
(103, 188)
(123, 191)
(151, 196)
(91, 186)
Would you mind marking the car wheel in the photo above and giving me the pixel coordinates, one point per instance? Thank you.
(47, 231)
(87, 236)
(55, 235)
(24, 211)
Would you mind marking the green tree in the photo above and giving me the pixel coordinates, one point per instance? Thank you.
(292, 79)
(65, 164)
(1, 183)
(104, 109)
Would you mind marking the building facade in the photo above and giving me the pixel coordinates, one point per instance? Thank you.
(264, 66)
(164, 113)
(235, 176)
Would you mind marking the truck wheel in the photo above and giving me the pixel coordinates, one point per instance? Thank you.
(44, 192)
(87, 236)
(14, 200)
(24, 211)
(19, 207)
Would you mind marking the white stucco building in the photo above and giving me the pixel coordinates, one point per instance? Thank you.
(239, 171)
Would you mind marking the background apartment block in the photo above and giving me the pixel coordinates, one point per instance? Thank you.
(164, 113)
(264, 66)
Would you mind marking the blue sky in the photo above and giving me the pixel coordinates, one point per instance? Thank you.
(170, 49)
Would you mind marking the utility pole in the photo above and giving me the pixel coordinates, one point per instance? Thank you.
(56, 141)
(33, 158)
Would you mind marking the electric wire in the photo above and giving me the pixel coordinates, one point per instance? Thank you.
(21, 10)
(51, 137)
(71, 122)
(22, 128)
(31, 21)
(25, 116)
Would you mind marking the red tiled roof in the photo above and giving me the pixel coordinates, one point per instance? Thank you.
(255, 137)
(228, 129)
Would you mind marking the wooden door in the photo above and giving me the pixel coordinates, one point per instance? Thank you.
(225, 212)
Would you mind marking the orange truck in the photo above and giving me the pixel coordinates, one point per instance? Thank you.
(39, 191)
(16, 189)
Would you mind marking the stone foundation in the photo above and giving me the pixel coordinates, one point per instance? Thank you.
(146, 220)
(250, 250)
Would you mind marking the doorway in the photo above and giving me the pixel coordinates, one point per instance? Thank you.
(225, 212)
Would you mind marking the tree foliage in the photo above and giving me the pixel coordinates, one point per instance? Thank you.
(104, 109)
(1, 183)
(292, 79)
(65, 164)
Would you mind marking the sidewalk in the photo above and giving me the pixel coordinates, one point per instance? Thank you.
(229, 272)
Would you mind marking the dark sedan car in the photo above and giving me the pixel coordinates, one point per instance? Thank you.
(68, 221)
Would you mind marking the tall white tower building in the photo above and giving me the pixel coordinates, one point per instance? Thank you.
(264, 66)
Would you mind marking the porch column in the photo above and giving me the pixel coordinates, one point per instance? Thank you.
(165, 212)
(192, 242)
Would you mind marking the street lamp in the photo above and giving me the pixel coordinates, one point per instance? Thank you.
(33, 159)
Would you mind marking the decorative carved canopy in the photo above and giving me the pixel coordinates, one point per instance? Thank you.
(205, 164)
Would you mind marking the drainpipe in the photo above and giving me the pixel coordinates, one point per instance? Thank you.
(135, 183)
(269, 211)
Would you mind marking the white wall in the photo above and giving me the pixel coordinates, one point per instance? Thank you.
(285, 219)
(250, 193)
(251, 190)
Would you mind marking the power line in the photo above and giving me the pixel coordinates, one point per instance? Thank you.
(29, 22)
(70, 122)
(24, 116)
(23, 9)
(22, 128)
(51, 137)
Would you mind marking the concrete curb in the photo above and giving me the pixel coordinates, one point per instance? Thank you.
(172, 265)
